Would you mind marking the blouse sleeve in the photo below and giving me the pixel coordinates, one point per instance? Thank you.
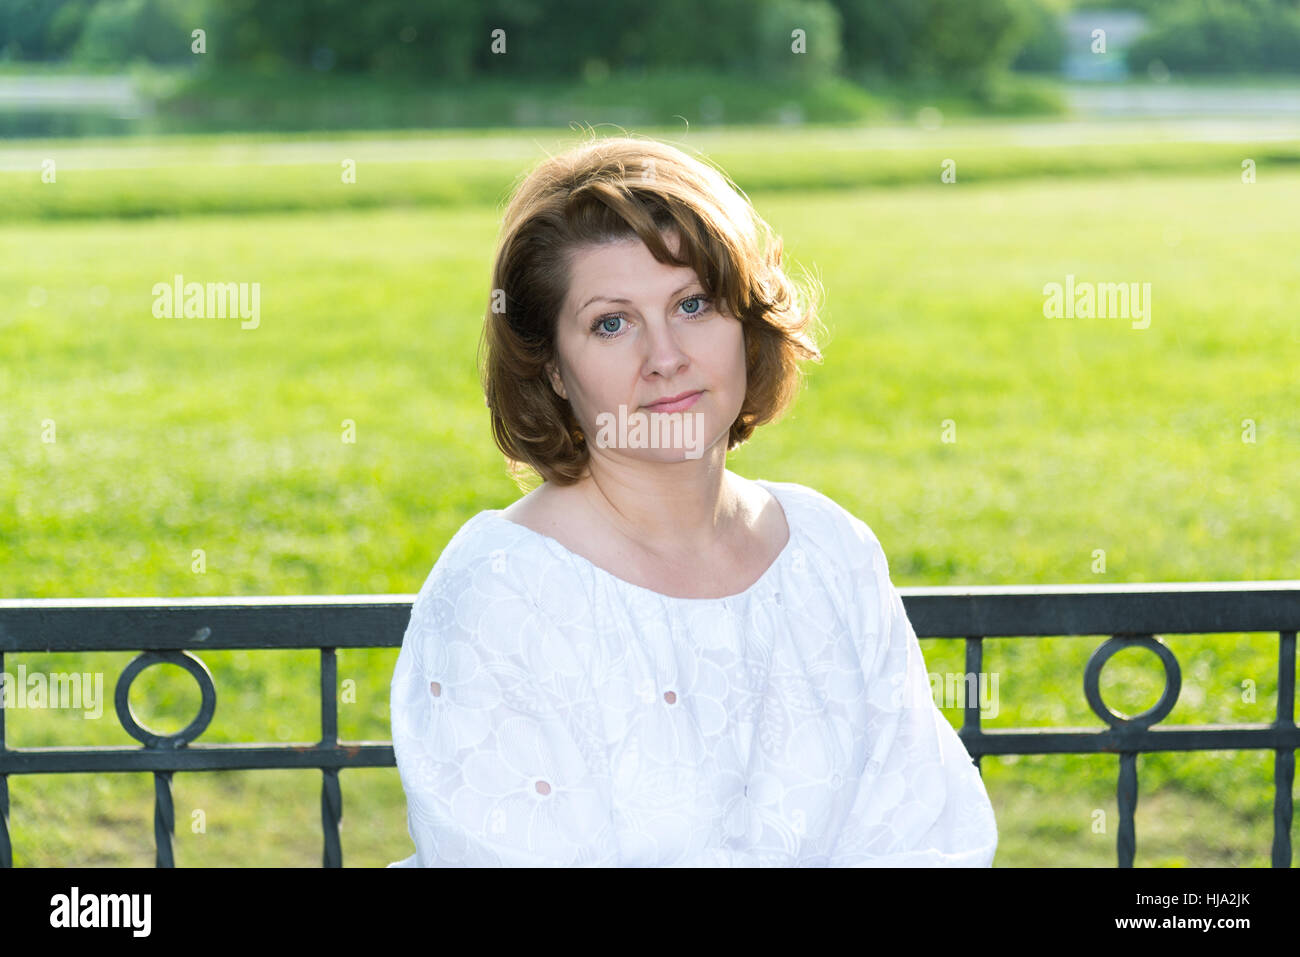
(921, 801)
(501, 760)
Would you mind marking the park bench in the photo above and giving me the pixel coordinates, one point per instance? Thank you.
(178, 630)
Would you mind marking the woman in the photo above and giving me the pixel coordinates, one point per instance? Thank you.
(649, 660)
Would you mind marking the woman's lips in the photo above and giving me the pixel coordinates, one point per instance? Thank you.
(679, 405)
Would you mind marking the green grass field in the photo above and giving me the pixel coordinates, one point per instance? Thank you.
(1072, 435)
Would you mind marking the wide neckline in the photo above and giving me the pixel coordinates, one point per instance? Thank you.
(760, 582)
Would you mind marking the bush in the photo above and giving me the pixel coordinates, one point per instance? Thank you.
(125, 31)
(1212, 36)
(1043, 49)
(933, 41)
(819, 21)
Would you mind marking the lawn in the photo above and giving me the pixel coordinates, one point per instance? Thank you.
(1072, 435)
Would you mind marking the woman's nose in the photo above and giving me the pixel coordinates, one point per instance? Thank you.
(664, 353)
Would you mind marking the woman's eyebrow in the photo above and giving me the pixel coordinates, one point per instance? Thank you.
(612, 299)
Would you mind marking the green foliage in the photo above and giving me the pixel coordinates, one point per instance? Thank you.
(1043, 47)
(436, 38)
(544, 39)
(117, 32)
(290, 101)
(1160, 8)
(40, 29)
(1215, 36)
(719, 35)
(154, 31)
(540, 40)
(820, 23)
(934, 40)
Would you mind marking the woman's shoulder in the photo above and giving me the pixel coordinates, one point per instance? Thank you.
(816, 512)
(487, 547)
(836, 535)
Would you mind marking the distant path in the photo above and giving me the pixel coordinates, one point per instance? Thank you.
(38, 93)
(1114, 100)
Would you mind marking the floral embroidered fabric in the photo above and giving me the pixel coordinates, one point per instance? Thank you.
(548, 713)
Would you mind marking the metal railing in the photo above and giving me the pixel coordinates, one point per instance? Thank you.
(170, 630)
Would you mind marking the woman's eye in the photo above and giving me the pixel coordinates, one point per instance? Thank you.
(602, 327)
(700, 303)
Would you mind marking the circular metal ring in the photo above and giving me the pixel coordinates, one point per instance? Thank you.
(1158, 711)
(151, 739)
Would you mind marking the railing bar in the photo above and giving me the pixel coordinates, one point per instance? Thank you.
(329, 710)
(241, 757)
(164, 818)
(209, 757)
(331, 795)
(1283, 781)
(378, 621)
(1285, 680)
(6, 850)
(47, 625)
(1127, 794)
(970, 719)
(1284, 759)
(331, 813)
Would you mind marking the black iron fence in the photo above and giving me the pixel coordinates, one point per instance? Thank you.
(172, 630)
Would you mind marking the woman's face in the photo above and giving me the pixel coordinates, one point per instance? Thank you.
(633, 331)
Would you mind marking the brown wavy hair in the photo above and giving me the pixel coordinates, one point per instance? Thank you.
(612, 189)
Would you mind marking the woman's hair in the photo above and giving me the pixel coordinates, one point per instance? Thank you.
(614, 189)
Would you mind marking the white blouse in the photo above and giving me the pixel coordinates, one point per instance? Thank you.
(547, 713)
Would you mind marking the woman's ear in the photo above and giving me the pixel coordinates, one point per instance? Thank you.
(557, 383)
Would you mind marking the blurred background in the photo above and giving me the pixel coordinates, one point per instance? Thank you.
(82, 67)
(934, 164)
